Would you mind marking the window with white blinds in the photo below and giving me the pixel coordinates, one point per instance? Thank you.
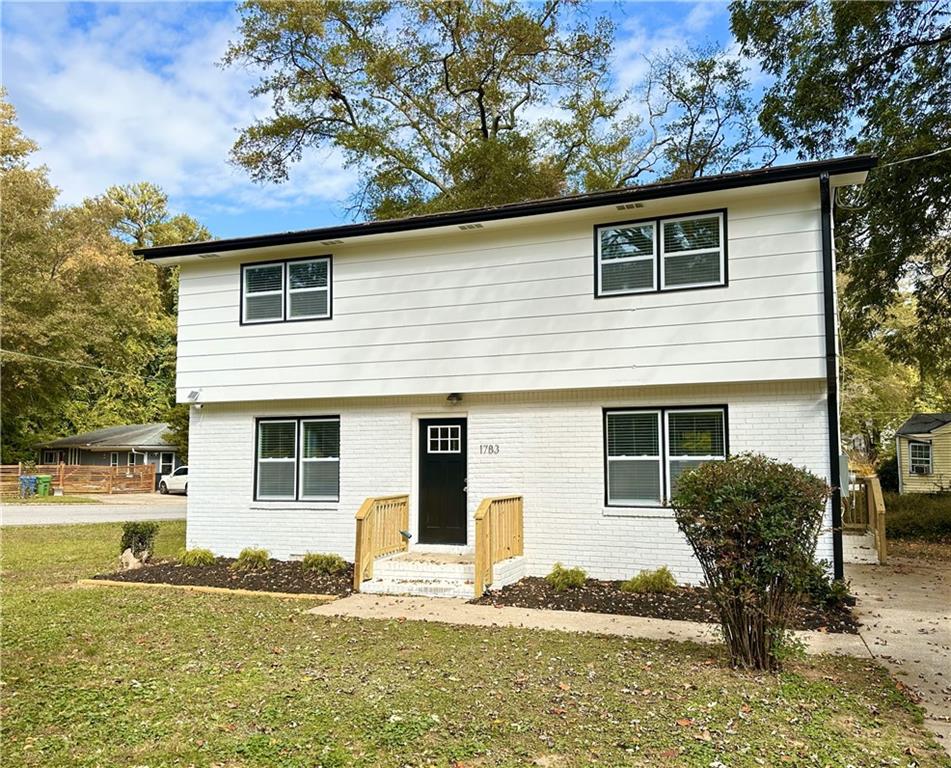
(661, 254)
(647, 450)
(299, 289)
(298, 459)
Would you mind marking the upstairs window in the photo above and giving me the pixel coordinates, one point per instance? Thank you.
(647, 450)
(299, 289)
(919, 455)
(661, 254)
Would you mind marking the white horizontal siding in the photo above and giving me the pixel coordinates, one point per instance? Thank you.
(550, 451)
(512, 308)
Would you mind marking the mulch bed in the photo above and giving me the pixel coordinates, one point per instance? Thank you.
(281, 576)
(684, 604)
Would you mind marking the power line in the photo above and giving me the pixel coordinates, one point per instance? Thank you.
(76, 365)
(909, 159)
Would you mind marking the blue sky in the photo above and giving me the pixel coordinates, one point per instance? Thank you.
(122, 92)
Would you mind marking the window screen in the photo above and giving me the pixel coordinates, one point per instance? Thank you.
(693, 437)
(277, 459)
(263, 293)
(308, 290)
(633, 458)
(626, 258)
(692, 251)
(320, 459)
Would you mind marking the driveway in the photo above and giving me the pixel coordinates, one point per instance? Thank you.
(905, 607)
(107, 509)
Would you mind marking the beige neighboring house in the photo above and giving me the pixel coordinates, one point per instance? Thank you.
(923, 445)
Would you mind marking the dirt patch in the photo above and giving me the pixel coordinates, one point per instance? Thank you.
(683, 604)
(281, 576)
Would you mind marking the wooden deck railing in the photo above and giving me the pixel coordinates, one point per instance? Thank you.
(498, 536)
(875, 503)
(379, 522)
(84, 478)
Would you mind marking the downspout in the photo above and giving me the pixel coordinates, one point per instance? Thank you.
(832, 372)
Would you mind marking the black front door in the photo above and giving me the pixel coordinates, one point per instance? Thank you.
(442, 481)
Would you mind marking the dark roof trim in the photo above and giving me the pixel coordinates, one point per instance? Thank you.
(796, 172)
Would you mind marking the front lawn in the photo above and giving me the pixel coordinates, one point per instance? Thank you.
(103, 676)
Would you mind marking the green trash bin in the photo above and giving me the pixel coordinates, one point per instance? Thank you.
(43, 485)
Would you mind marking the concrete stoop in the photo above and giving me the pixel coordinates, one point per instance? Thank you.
(427, 574)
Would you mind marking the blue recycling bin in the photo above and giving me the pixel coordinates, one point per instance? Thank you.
(27, 486)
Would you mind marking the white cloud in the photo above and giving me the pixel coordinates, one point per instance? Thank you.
(125, 93)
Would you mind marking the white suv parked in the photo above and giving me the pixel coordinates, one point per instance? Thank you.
(177, 482)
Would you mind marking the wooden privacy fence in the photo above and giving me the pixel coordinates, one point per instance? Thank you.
(83, 478)
(380, 521)
(498, 536)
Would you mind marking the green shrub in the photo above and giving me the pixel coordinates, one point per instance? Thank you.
(139, 536)
(326, 564)
(888, 473)
(753, 524)
(252, 559)
(562, 578)
(918, 516)
(196, 557)
(821, 589)
(650, 582)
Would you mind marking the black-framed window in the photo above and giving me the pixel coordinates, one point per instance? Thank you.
(661, 254)
(919, 458)
(284, 291)
(646, 450)
(297, 459)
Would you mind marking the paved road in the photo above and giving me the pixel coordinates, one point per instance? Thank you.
(905, 607)
(151, 507)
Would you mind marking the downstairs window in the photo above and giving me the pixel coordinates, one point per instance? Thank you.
(298, 459)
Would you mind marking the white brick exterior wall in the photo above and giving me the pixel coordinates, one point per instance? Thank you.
(550, 451)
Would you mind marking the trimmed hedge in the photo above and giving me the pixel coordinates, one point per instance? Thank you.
(918, 516)
(139, 536)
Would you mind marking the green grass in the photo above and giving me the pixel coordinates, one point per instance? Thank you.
(112, 676)
(48, 500)
(918, 516)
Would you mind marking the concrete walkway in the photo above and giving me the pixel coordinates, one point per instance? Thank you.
(905, 609)
(457, 611)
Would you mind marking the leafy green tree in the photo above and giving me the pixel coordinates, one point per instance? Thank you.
(453, 105)
(177, 435)
(870, 77)
(426, 98)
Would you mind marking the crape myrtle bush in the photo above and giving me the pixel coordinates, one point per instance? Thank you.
(753, 523)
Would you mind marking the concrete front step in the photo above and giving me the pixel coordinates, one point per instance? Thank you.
(436, 575)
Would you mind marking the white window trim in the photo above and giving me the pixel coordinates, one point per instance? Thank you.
(245, 294)
(911, 459)
(114, 459)
(695, 252)
(258, 461)
(303, 459)
(623, 503)
(170, 462)
(652, 258)
(291, 291)
(453, 436)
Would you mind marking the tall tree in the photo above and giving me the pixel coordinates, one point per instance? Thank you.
(425, 97)
(870, 77)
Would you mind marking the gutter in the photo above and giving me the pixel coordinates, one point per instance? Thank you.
(794, 172)
(832, 373)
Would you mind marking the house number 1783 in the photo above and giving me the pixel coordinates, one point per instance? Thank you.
(488, 449)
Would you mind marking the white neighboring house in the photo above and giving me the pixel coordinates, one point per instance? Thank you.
(578, 353)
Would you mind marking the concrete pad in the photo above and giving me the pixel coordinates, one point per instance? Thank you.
(859, 548)
(905, 609)
(457, 611)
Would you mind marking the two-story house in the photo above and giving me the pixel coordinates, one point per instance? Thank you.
(521, 384)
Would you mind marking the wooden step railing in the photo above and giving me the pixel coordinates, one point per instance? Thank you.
(875, 504)
(379, 522)
(498, 536)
